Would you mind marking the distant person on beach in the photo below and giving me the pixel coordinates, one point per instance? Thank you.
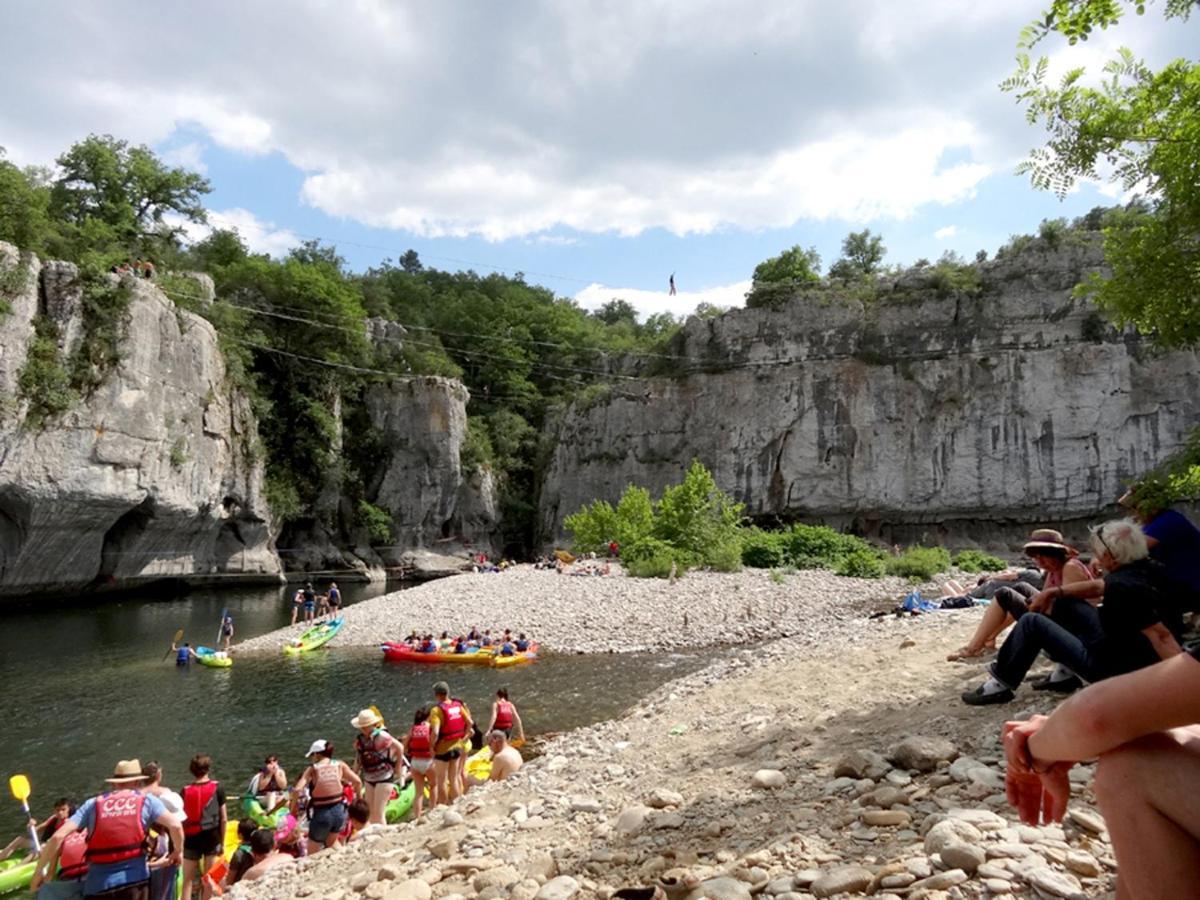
(310, 603)
(335, 599)
(266, 857)
(505, 716)
(117, 823)
(378, 757)
(297, 604)
(418, 748)
(450, 723)
(1142, 726)
(326, 808)
(1010, 601)
(204, 827)
(1134, 627)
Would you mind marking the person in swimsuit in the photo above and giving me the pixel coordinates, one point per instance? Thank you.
(418, 748)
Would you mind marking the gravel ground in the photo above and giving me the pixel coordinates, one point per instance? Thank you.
(615, 613)
(832, 764)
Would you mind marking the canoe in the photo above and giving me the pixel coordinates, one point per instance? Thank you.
(217, 659)
(479, 764)
(517, 658)
(15, 875)
(317, 636)
(397, 652)
(253, 809)
(399, 806)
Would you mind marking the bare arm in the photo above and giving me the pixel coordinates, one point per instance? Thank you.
(349, 776)
(492, 723)
(305, 777)
(1117, 710)
(520, 725)
(47, 861)
(169, 823)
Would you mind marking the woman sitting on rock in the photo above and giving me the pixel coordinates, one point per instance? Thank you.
(1061, 566)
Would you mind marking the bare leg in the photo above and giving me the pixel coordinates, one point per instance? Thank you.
(377, 800)
(953, 589)
(418, 794)
(995, 620)
(1146, 791)
(439, 791)
(191, 868)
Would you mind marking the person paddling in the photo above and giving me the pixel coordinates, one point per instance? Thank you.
(326, 808)
(184, 654)
(116, 823)
(418, 747)
(63, 810)
(378, 757)
(505, 716)
(204, 827)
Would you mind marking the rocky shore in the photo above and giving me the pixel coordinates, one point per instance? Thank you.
(834, 764)
(613, 613)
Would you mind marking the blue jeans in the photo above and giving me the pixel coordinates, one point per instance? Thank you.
(1067, 638)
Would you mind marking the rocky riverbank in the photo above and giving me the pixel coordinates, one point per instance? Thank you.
(613, 613)
(810, 767)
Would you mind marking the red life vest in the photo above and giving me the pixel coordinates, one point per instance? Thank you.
(374, 754)
(419, 746)
(118, 833)
(454, 721)
(504, 715)
(72, 862)
(327, 784)
(201, 806)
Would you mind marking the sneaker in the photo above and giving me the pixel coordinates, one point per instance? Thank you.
(977, 697)
(1059, 686)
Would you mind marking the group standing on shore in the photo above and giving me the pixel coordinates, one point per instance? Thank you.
(135, 840)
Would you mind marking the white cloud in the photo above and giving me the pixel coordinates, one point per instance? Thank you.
(647, 303)
(944, 234)
(188, 156)
(259, 236)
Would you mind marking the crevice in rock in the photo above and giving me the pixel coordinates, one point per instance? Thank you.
(123, 535)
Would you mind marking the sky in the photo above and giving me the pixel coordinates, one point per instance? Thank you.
(597, 146)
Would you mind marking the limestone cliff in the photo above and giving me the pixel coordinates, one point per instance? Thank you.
(920, 413)
(150, 475)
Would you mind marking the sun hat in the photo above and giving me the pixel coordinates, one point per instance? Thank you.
(1047, 539)
(318, 746)
(127, 770)
(366, 718)
(441, 688)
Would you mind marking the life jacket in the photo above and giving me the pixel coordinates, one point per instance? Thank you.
(419, 746)
(327, 784)
(504, 715)
(118, 833)
(454, 720)
(201, 807)
(507, 650)
(182, 657)
(522, 646)
(72, 862)
(373, 753)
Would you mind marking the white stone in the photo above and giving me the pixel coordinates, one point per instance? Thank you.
(564, 887)
(768, 779)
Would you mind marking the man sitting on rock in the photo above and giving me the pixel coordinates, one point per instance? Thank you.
(1136, 629)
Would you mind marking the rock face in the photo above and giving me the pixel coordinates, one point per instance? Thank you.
(912, 416)
(151, 475)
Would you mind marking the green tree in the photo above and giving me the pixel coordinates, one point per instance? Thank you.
(697, 517)
(24, 207)
(1138, 127)
(111, 197)
(616, 311)
(775, 279)
(862, 255)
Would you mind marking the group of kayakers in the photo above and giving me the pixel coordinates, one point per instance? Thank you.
(132, 841)
(505, 644)
(313, 605)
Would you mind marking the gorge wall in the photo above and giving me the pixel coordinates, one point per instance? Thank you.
(149, 476)
(920, 414)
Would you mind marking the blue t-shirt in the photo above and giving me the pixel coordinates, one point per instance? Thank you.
(105, 877)
(1178, 547)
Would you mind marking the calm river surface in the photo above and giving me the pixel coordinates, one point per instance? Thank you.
(86, 686)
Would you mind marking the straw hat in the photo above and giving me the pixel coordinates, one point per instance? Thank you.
(366, 718)
(1047, 539)
(127, 772)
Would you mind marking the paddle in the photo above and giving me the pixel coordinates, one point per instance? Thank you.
(221, 628)
(19, 785)
(174, 642)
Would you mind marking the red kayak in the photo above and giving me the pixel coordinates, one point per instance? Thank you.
(397, 652)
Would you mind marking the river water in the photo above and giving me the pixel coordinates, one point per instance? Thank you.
(86, 685)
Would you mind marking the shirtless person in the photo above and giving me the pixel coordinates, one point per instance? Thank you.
(266, 857)
(506, 760)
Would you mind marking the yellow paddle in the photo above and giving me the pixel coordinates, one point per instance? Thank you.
(174, 642)
(19, 785)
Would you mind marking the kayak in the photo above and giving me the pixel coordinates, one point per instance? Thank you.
(15, 875)
(400, 805)
(479, 764)
(253, 809)
(516, 659)
(397, 652)
(317, 636)
(217, 659)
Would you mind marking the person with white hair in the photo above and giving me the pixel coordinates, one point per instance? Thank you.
(1138, 625)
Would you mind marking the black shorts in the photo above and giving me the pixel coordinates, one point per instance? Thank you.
(449, 755)
(206, 843)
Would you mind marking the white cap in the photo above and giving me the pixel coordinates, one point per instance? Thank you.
(319, 746)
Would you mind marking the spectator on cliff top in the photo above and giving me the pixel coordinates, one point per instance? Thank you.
(1057, 565)
(1175, 542)
(1142, 727)
(1135, 626)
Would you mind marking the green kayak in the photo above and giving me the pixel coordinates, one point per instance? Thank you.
(317, 636)
(15, 875)
(400, 806)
